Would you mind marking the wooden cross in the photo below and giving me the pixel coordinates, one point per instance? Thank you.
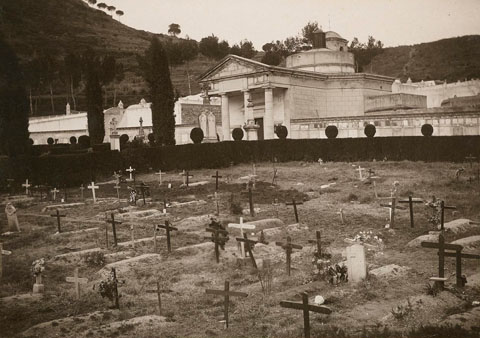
(77, 281)
(410, 202)
(288, 247)
(250, 201)
(54, 191)
(168, 228)
(216, 179)
(158, 291)
(143, 187)
(275, 205)
(442, 215)
(317, 241)
(441, 246)
(241, 226)
(130, 171)
(215, 196)
(26, 186)
(226, 293)
(392, 206)
(186, 178)
(57, 215)
(3, 252)
(294, 203)
(470, 159)
(370, 172)
(82, 188)
(306, 308)
(118, 187)
(113, 222)
(93, 187)
(249, 243)
(360, 170)
(216, 239)
(274, 178)
(160, 176)
(458, 264)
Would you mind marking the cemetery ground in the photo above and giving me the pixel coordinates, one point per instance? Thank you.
(396, 298)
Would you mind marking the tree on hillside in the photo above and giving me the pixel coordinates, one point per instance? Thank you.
(92, 2)
(174, 29)
(102, 5)
(72, 71)
(119, 14)
(244, 49)
(210, 47)
(365, 52)
(157, 75)
(111, 9)
(181, 52)
(13, 104)
(33, 78)
(48, 74)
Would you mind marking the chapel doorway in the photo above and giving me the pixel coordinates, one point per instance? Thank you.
(259, 121)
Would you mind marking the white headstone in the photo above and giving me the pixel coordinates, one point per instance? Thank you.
(356, 263)
(202, 121)
(212, 130)
(12, 218)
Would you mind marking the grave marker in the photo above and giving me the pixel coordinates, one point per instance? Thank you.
(356, 263)
(250, 201)
(118, 187)
(6, 253)
(117, 178)
(54, 191)
(288, 247)
(241, 226)
(160, 176)
(442, 216)
(158, 291)
(216, 179)
(371, 173)
(317, 241)
(342, 216)
(82, 188)
(58, 216)
(392, 206)
(113, 222)
(165, 205)
(115, 289)
(217, 240)
(76, 281)
(226, 293)
(275, 176)
(360, 170)
(275, 205)
(38, 287)
(93, 187)
(306, 308)
(143, 187)
(26, 186)
(186, 178)
(249, 244)
(130, 171)
(470, 159)
(294, 203)
(168, 228)
(410, 202)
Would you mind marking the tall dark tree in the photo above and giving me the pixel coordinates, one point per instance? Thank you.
(308, 30)
(157, 75)
(13, 103)
(72, 74)
(92, 72)
(174, 29)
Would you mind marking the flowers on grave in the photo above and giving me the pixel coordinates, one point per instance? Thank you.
(107, 287)
(133, 196)
(436, 206)
(321, 262)
(367, 237)
(38, 267)
(337, 273)
(95, 259)
(222, 238)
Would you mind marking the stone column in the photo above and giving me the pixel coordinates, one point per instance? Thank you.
(225, 118)
(250, 127)
(268, 124)
(247, 103)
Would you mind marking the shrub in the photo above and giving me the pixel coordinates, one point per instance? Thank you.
(281, 132)
(73, 140)
(237, 134)
(151, 138)
(31, 141)
(196, 135)
(331, 131)
(370, 130)
(124, 139)
(50, 141)
(84, 141)
(427, 130)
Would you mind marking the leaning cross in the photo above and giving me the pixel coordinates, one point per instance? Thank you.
(93, 187)
(216, 239)
(288, 250)
(54, 191)
(26, 186)
(250, 201)
(249, 243)
(113, 222)
(360, 170)
(130, 170)
(410, 202)
(241, 226)
(306, 311)
(77, 281)
(57, 215)
(216, 179)
(168, 228)
(227, 294)
(294, 203)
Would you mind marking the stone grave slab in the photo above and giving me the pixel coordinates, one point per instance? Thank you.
(416, 243)
(390, 271)
(189, 203)
(267, 223)
(195, 184)
(356, 263)
(75, 232)
(62, 206)
(459, 225)
(141, 214)
(471, 242)
(126, 266)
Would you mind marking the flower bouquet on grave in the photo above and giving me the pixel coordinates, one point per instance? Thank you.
(107, 287)
(337, 273)
(321, 262)
(436, 206)
(38, 267)
(222, 238)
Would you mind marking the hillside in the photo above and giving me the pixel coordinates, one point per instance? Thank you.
(448, 59)
(62, 26)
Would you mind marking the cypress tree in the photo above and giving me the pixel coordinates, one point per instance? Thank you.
(92, 69)
(157, 75)
(14, 104)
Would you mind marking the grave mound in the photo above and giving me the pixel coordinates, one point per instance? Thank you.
(416, 243)
(126, 268)
(471, 242)
(466, 320)
(389, 271)
(459, 225)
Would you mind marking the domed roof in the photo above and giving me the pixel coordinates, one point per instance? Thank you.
(332, 34)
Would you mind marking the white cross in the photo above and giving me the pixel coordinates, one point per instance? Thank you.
(77, 281)
(360, 170)
(160, 176)
(93, 187)
(54, 193)
(242, 226)
(130, 170)
(26, 186)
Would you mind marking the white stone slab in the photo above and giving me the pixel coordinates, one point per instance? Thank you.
(195, 184)
(356, 263)
(62, 206)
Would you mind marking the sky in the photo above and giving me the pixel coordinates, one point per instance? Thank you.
(394, 22)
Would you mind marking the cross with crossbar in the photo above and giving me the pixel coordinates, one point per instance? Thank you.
(216, 176)
(241, 226)
(93, 187)
(168, 228)
(26, 186)
(410, 202)
(216, 239)
(250, 201)
(186, 178)
(76, 281)
(113, 222)
(226, 293)
(54, 191)
(294, 203)
(248, 243)
(288, 247)
(57, 215)
(130, 171)
(143, 188)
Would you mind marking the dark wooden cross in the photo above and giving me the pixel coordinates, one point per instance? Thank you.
(288, 247)
(226, 293)
(317, 241)
(143, 188)
(370, 172)
(158, 291)
(216, 239)
(306, 308)
(57, 215)
(216, 179)
(470, 159)
(168, 228)
(393, 207)
(113, 222)
(250, 200)
(442, 215)
(294, 203)
(249, 243)
(410, 202)
(186, 178)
